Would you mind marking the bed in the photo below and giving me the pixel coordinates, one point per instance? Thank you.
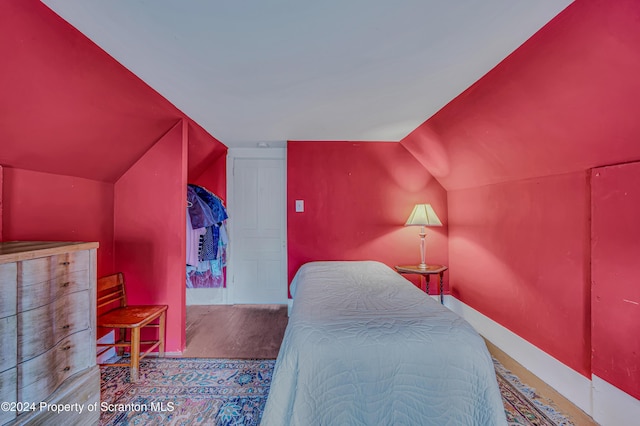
(364, 346)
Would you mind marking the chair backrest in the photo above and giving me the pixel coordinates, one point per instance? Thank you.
(111, 291)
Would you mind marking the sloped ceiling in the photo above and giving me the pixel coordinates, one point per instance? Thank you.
(566, 101)
(67, 107)
(270, 71)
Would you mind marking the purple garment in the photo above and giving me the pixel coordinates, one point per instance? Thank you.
(199, 212)
(213, 201)
(204, 279)
(212, 237)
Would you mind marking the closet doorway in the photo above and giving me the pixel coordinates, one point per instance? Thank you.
(257, 225)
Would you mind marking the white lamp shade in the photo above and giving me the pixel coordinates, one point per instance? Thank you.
(423, 215)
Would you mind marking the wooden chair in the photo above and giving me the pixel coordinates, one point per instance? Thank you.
(118, 315)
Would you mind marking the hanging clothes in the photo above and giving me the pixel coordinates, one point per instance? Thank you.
(219, 215)
(213, 201)
(199, 212)
(207, 216)
(193, 242)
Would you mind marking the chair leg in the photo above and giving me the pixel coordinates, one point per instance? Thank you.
(123, 338)
(135, 353)
(161, 331)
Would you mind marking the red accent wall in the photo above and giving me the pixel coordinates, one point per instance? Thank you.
(565, 101)
(214, 178)
(519, 144)
(207, 160)
(1, 198)
(45, 207)
(615, 298)
(519, 253)
(150, 209)
(73, 122)
(357, 197)
(64, 98)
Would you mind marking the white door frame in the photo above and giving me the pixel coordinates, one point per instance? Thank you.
(255, 154)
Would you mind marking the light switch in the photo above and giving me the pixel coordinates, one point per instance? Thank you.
(299, 206)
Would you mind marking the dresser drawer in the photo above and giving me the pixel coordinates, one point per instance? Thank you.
(8, 343)
(8, 289)
(40, 376)
(33, 295)
(61, 318)
(82, 388)
(47, 330)
(43, 269)
(8, 393)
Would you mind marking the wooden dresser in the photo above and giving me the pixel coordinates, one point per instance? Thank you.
(48, 333)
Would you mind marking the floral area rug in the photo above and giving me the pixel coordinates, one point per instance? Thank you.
(221, 392)
(186, 391)
(522, 405)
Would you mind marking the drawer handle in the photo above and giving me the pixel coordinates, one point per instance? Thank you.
(66, 284)
(65, 263)
(66, 348)
(66, 369)
(65, 327)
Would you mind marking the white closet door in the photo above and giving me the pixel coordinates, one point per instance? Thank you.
(258, 236)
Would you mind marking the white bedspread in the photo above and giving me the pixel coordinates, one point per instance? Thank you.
(364, 346)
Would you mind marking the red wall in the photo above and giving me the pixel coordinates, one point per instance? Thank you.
(519, 253)
(69, 109)
(513, 151)
(47, 207)
(207, 160)
(357, 197)
(214, 177)
(615, 298)
(150, 209)
(1, 199)
(565, 101)
(64, 98)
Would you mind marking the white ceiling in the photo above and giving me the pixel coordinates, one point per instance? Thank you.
(252, 71)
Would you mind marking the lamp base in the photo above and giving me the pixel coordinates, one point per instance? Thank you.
(423, 264)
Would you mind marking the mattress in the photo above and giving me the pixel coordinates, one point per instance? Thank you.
(364, 346)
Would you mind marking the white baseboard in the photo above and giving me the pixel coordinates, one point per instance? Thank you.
(606, 404)
(206, 296)
(110, 337)
(572, 385)
(611, 406)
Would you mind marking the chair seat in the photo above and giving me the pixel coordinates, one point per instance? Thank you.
(111, 291)
(131, 316)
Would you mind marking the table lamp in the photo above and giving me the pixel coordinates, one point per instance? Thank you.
(423, 215)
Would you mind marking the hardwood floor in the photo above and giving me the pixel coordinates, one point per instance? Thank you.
(256, 331)
(550, 395)
(235, 331)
